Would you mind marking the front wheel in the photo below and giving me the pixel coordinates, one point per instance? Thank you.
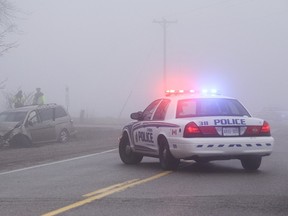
(63, 136)
(251, 163)
(126, 153)
(167, 161)
(20, 141)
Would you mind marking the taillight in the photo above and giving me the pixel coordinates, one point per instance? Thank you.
(191, 130)
(265, 130)
(252, 130)
(209, 131)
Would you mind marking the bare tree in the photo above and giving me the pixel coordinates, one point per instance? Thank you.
(6, 25)
(9, 98)
(2, 83)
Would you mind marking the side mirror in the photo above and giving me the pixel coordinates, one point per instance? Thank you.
(137, 116)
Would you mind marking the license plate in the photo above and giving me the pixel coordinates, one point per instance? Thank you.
(230, 131)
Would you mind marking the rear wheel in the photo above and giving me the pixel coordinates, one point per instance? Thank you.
(167, 161)
(251, 162)
(126, 153)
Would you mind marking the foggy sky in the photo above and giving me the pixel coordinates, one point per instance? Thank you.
(109, 53)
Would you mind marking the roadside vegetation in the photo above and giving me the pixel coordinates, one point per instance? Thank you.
(7, 26)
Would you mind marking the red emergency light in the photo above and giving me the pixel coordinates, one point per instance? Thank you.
(191, 91)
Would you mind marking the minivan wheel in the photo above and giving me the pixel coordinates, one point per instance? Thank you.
(251, 163)
(20, 141)
(63, 136)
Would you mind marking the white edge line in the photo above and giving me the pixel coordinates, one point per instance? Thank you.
(57, 162)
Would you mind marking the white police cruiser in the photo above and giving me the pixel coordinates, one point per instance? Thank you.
(196, 126)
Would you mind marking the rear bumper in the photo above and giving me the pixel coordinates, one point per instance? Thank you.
(228, 147)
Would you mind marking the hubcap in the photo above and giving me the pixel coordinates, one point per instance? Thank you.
(63, 136)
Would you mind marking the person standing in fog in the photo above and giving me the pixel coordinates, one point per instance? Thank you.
(38, 97)
(18, 99)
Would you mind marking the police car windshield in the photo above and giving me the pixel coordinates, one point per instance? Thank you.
(210, 107)
(12, 116)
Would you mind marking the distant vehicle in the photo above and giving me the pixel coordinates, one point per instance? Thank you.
(35, 124)
(196, 126)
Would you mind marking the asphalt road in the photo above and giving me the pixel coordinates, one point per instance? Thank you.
(86, 177)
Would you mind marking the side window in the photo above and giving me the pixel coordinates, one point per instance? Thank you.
(161, 110)
(46, 114)
(60, 112)
(148, 112)
(33, 117)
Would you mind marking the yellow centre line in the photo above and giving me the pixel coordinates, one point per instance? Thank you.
(110, 188)
(96, 195)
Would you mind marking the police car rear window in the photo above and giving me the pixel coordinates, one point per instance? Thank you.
(210, 107)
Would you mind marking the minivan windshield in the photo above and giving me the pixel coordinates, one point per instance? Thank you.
(12, 116)
(210, 107)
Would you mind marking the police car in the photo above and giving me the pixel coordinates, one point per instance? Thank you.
(187, 125)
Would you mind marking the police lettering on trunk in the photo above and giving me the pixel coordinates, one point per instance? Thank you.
(229, 122)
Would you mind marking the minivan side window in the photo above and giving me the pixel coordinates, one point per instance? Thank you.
(33, 118)
(60, 112)
(46, 114)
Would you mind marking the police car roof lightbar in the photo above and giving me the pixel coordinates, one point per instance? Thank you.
(192, 91)
(210, 91)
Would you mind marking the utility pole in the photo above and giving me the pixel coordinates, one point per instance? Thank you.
(164, 24)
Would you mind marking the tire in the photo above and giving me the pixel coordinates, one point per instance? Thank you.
(167, 161)
(251, 163)
(63, 136)
(126, 153)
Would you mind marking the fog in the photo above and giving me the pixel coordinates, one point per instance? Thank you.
(109, 53)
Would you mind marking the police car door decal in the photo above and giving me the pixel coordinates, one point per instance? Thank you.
(143, 137)
(143, 133)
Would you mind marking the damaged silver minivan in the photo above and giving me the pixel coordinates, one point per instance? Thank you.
(35, 124)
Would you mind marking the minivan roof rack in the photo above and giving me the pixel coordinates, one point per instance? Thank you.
(47, 105)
